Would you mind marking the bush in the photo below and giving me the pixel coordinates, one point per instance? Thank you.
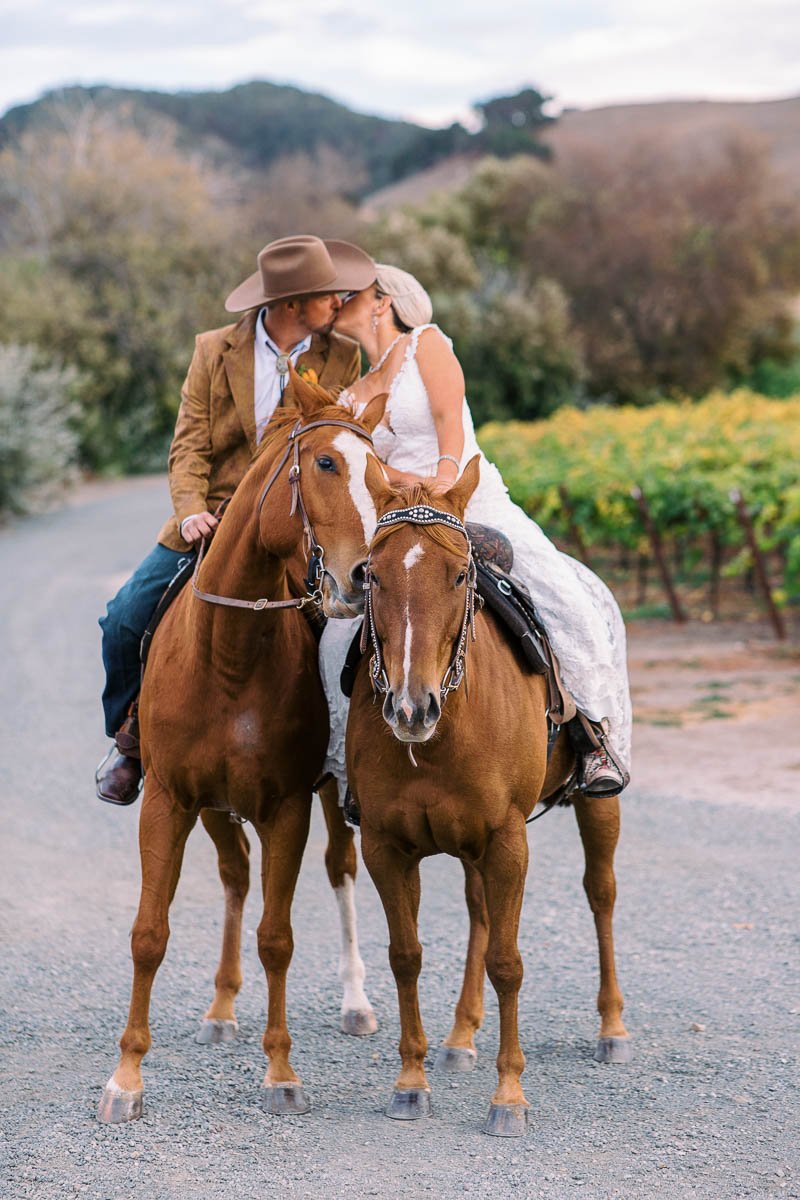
(38, 442)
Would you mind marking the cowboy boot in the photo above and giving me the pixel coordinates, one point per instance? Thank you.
(119, 776)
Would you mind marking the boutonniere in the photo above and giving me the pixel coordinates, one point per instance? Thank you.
(307, 373)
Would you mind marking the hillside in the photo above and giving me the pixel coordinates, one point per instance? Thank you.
(697, 125)
(256, 124)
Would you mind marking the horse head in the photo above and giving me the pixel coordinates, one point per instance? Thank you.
(327, 455)
(419, 576)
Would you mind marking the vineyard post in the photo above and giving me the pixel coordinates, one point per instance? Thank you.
(572, 525)
(658, 553)
(759, 563)
(716, 570)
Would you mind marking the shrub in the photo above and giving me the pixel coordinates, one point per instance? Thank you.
(38, 442)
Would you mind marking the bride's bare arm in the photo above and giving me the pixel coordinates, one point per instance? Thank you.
(444, 382)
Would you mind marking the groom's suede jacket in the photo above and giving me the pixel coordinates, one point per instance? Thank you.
(215, 434)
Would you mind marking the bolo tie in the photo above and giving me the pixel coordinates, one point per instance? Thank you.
(282, 364)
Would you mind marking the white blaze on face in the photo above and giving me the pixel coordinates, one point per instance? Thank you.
(353, 450)
(411, 557)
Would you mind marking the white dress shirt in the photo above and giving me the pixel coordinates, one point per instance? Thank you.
(268, 385)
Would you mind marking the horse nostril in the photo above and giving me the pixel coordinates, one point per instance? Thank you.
(359, 574)
(434, 710)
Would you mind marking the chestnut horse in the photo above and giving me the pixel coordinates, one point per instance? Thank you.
(460, 780)
(234, 721)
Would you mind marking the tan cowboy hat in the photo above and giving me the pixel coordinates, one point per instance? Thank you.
(301, 266)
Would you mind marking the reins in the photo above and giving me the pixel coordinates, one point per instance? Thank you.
(422, 514)
(315, 552)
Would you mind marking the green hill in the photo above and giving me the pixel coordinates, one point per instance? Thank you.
(262, 122)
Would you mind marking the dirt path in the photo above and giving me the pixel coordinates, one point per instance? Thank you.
(717, 713)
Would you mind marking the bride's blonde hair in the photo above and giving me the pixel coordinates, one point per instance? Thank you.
(411, 303)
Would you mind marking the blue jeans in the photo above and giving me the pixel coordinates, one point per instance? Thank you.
(123, 625)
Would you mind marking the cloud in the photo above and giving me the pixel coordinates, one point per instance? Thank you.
(416, 58)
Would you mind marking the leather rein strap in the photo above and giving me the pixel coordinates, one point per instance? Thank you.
(315, 552)
(423, 514)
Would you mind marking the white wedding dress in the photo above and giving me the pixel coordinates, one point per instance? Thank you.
(578, 611)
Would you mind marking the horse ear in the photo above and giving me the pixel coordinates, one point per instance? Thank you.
(373, 413)
(378, 485)
(460, 493)
(309, 397)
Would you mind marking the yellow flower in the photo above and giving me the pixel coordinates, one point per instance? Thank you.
(307, 373)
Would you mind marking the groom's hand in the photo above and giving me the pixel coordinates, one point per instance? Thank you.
(197, 526)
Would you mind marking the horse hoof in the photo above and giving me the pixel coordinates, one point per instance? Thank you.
(116, 1106)
(613, 1050)
(284, 1099)
(455, 1059)
(507, 1120)
(409, 1104)
(359, 1022)
(214, 1032)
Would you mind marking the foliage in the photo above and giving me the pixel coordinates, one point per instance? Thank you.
(38, 446)
(686, 458)
(115, 250)
(675, 276)
(511, 124)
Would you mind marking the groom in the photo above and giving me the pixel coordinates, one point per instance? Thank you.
(235, 382)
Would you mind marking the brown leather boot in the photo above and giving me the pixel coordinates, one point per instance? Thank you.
(119, 776)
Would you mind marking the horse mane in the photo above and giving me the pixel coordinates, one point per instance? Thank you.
(284, 419)
(419, 493)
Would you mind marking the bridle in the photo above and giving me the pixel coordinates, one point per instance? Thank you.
(422, 514)
(315, 553)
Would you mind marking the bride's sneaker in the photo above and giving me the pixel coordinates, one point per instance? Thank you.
(600, 776)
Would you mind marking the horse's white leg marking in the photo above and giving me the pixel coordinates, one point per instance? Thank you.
(354, 451)
(351, 965)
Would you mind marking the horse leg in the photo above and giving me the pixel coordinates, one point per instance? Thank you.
(598, 822)
(163, 829)
(233, 858)
(283, 839)
(396, 876)
(503, 867)
(457, 1052)
(341, 862)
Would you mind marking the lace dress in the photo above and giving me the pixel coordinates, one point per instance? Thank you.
(580, 614)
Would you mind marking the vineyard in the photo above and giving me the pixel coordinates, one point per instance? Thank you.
(579, 474)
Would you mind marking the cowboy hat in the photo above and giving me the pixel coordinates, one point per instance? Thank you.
(302, 266)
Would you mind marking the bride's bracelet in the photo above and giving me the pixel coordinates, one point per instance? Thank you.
(449, 458)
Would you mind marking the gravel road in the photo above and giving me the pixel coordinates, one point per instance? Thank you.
(708, 944)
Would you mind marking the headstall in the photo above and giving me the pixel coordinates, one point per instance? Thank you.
(422, 514)
(314, 551)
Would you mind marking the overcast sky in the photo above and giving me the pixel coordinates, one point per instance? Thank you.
(421, 59)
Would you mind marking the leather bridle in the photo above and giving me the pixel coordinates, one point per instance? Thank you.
(422, 514)
(315, 553)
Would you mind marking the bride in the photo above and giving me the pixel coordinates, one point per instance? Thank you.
(427, 435)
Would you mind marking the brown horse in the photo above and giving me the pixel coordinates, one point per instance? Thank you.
(234, 720)
(460, 781)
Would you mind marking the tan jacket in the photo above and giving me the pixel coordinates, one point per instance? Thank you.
(215, 434)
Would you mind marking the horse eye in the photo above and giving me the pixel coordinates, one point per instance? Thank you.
(462, 575)
(326, 464)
